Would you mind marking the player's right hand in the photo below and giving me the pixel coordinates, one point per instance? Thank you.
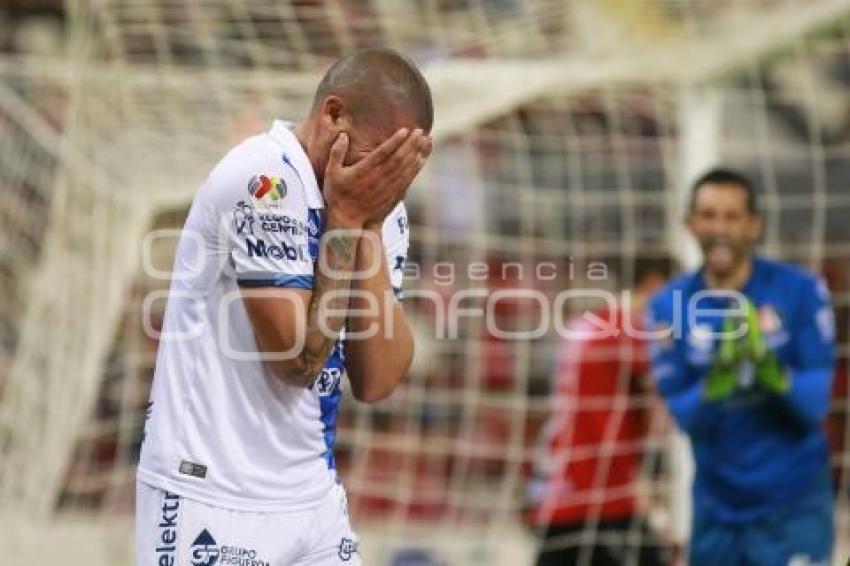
(371, 188)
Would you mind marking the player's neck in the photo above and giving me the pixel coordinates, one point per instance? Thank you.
(302, 134)
(734, 280)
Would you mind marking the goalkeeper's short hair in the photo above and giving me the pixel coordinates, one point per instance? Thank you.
(726, 176)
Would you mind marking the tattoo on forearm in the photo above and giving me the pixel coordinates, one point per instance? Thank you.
(340, 254)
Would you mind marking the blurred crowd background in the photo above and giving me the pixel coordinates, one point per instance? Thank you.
(564, 179)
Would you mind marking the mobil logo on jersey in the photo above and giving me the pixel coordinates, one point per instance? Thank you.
(279, 250)
(267, 190)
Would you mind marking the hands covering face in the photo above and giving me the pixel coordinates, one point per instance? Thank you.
(367, 191)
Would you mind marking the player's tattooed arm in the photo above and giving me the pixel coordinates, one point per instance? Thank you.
(306, 324)
(296, 329)
(328, 303)
(379, 345)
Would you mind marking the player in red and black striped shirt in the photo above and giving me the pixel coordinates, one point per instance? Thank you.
(583, 493)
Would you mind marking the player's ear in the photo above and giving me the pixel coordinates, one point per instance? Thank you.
(332, 112)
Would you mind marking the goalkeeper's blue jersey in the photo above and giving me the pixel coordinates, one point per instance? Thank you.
(755, 450)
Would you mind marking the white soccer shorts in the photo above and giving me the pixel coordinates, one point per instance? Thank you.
(175, 531)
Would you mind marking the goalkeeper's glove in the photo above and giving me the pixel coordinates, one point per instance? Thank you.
(722, 379)
(769, 373)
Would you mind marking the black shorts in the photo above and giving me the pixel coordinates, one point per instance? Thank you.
(619, 542)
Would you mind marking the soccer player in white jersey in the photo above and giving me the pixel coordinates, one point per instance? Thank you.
(295, 234)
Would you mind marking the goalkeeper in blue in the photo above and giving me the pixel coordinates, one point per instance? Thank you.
(743, 356)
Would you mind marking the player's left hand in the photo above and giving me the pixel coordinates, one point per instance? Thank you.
(409, 158)
(722, 379)
(770, 375)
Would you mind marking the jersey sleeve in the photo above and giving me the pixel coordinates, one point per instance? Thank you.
(675, 379)
(814, 341)
(269, 231)
(274, 252)
(669, 368)
(813, 362)
(396, 233)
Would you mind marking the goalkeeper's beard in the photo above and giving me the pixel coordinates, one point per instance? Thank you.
(722, 256)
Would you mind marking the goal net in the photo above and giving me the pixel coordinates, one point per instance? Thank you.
(567, 133)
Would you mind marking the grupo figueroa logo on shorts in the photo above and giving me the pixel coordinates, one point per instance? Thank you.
(204, 550)
(207, 552)
(266, 188)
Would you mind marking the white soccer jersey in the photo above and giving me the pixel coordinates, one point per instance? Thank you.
(221, 429)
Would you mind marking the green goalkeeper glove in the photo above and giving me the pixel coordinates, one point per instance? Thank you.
(769, 373)
(722, 379)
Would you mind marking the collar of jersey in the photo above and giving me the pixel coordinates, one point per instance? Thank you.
(747, 289)
(281, 132)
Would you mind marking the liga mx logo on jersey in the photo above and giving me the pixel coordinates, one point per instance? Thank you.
(204, 550)
(267, 188)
